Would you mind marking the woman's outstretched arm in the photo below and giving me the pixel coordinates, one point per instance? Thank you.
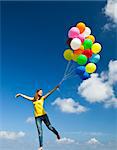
(25, 96)
(49, 93)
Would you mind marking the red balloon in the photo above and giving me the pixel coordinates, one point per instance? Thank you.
(87, 53)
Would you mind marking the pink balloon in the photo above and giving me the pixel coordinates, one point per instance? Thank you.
(81, 37)
(73, 32)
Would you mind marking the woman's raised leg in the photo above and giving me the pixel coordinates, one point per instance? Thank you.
(49, 126)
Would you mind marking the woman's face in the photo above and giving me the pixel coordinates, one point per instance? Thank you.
(40, 93)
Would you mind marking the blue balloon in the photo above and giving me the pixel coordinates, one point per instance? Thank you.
(85, 76)
(95, 58)
(80, 70)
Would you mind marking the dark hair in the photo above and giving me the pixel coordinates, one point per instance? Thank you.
(36, 95)
(38, 90)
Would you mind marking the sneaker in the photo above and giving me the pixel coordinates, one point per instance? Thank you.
(58, 137)
(41, 148)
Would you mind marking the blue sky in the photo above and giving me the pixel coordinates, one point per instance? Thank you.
(33, 41)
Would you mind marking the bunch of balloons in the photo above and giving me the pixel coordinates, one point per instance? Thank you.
(83, 50)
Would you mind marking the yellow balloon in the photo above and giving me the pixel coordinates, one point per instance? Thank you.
(90, 68)
(74, 57)
(68, 54)
(96, 48)
(91, 37)
(81, 47)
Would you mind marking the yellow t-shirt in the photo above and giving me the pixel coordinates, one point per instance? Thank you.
(38, 107)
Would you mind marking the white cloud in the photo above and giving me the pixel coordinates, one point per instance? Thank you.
(110, 10)
(95, 90)
(99, 88)
(11, 135)
(30, 120)
(65, 141)
(113, 72)
(111, 103)
(93, 141)
(108, 26)
(68, 105)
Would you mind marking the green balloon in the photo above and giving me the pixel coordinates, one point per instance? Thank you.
(87, 44)
(82, 59)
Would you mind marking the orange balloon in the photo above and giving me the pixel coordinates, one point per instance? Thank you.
(81, 26)
(78, 51)
(92, 38)
(74, 57)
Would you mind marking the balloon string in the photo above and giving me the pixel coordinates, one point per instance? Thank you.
(67, 67)
(68, 72)
(68, 76)
(71, 67)
(71, 76)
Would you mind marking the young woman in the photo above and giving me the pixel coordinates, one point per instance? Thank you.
(40, 114)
